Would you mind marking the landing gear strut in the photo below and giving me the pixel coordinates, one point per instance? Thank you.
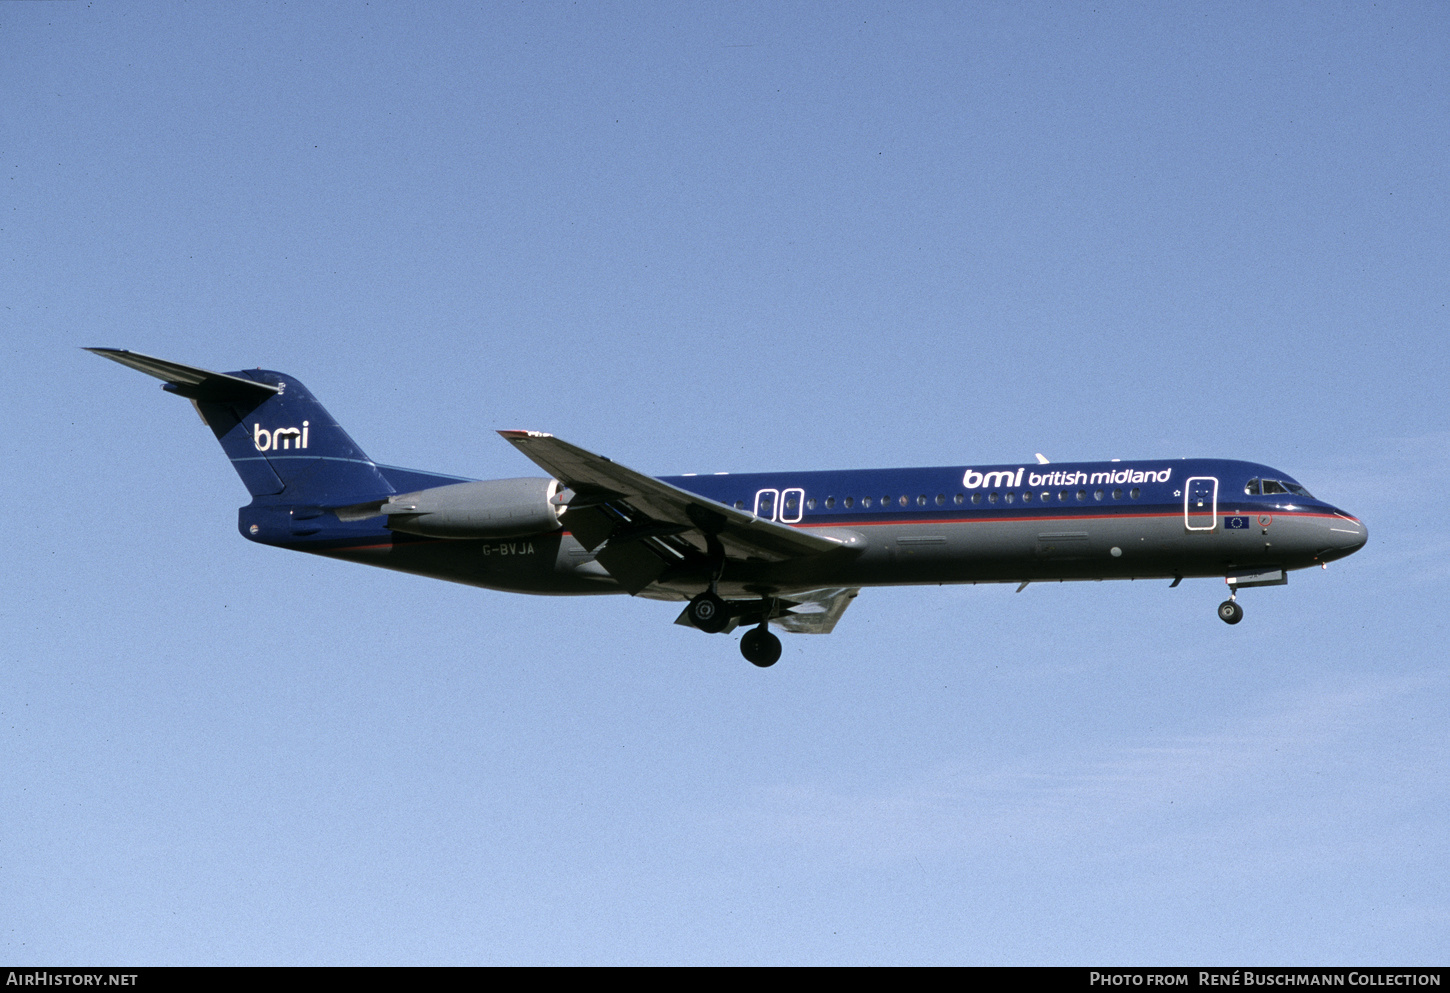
(708, 611)
(760, 647)
(1230, 612)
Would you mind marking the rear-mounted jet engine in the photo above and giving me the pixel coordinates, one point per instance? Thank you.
(493, 508)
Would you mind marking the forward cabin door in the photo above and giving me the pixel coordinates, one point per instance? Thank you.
(1200, 503)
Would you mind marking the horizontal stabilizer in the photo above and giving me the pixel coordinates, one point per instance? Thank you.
(191, 382)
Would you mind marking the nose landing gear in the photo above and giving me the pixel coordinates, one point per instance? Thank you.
(1230, 612)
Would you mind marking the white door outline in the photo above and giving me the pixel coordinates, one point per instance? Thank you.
(774, 504)
(1193, 503)
(800, 505)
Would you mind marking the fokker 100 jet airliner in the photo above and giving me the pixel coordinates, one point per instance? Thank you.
(790, 549)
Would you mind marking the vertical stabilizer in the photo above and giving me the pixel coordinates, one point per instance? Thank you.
(280, 440)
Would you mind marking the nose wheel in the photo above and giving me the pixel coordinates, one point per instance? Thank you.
(1230, 612)
(760, 647)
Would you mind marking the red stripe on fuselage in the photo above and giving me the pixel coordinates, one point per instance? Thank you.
(1061, 517)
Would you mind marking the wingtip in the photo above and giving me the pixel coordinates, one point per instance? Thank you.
(114, 354)
(515, 434)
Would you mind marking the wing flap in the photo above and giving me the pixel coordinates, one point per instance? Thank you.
(590, 526)
(818, 611)
(632, 564)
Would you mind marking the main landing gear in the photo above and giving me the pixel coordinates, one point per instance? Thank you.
(1229, 611)
(708, 611)
(760, 647)
(711, 614)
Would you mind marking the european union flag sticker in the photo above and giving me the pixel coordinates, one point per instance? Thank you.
(1236, 523)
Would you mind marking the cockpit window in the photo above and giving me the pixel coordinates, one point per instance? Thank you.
(1271, 487)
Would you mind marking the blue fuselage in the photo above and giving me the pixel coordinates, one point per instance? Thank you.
(958, 524)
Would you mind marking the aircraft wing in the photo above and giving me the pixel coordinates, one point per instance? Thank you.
(613, 501)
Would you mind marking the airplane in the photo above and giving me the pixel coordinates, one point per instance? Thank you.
(788, 549)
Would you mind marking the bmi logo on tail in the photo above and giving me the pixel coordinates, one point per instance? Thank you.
(271, 441)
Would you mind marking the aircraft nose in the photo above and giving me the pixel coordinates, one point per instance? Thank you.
(1347, 534)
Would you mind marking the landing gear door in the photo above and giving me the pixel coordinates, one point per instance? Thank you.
(1200, 503)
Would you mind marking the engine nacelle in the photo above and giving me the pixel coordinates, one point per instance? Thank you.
(493, 508)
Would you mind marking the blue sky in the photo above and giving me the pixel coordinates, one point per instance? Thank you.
(707, 238)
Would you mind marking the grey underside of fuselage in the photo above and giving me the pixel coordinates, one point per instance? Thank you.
(892, 555)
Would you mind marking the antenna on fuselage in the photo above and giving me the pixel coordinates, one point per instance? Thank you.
(1041, 459)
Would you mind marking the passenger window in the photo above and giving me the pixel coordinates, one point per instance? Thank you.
(1062, 496)
(1117, 494)
(1027, 497)
(991, 497)
(958, 499)
(830, 503)
(865, 501)
(1046, 496)
(976, 498)
(1252, 487)
(811, 504)
(1097, 494)
(886, 502)
(848, 502)
(904, 500)
(1009, 497)
(921, 500)
(941, 499)
(1081, 495)
(739, 504)
(1134, 492)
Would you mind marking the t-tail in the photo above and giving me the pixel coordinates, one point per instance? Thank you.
(280, 440)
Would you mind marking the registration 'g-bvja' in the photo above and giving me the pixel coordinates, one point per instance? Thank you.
(789, 549)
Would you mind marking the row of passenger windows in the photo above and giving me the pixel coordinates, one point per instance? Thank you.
(993, 497)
